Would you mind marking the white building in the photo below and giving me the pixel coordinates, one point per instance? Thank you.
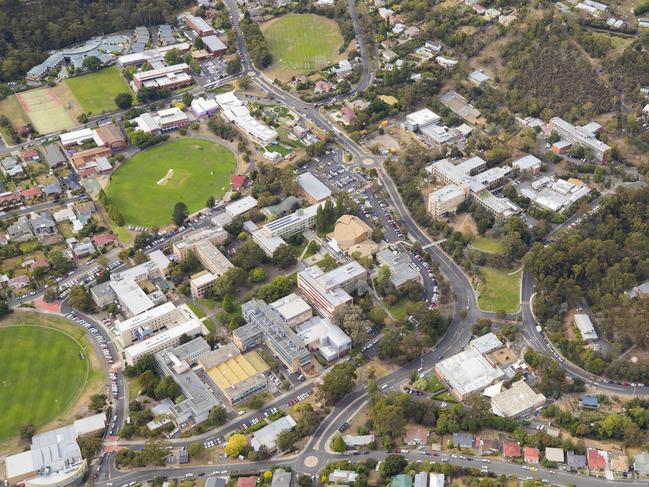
(478, 77)
(416, 120)
(267, 436)
(312, 189)
(467, 373)
(297, 222)
(528, 163)
(161, 121)
(322, 335)
(204, 107)
(236, 112)
(518, 400)
(583, 136)
(293, 309)
(586, 328)
(445, 200)
(240, 206)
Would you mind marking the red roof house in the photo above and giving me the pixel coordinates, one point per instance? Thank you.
(348, 114)
(31, 192)
(596, 459)
(531, 454)
(29, 155)
(104, 239)
(238, 181)
(511, 449)
(246, 481)
(40, 263)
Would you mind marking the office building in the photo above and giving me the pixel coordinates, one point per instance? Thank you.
(214, 235)
(235, 111)
(584, 136)
(321, 335)
(297, 222)
(146, 324)
(164, 339)
(329, 292)
(154, 56)
(312, 189)
(445, 200)
(467, 373)
(200, 283)
(165, 77)
(421, 118)
(265, 324)
(199, 25)
(293, 309)
(518, 400)
(528, 164)
(402, 270)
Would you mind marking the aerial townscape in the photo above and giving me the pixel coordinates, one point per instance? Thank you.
(341, 243)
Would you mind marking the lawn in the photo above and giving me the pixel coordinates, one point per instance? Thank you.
(300, 43)
(96, 92)
(500, 289)
(489, 245)
(400, 309)
(42, 372)
(147, 186)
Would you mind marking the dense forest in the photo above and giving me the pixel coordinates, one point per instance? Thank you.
(602, 258)
(547, 69)
(31, 29)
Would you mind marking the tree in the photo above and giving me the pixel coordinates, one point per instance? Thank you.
(92, 63)
(210, 202)
(218, 416)
(284, 257)
(236, 445)
(124, 101)
(187, 96)
(4, 309)
(26, 431)
(393, 465)
(338, 444)
(258, 274)
(227, 304)
(180, 213)
(338, 383)
(173, 57)
(167, 387)
(286, 440)
(80, 298)
(97, 402)
(328, 263)
(89, 446)
(279, 287)
(248, 256)
(198, 43)
(352, 322)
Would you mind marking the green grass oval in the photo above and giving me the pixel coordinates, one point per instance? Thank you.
(41, 375)
(200, 168)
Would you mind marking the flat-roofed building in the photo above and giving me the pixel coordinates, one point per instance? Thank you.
(266, 324)
(445, 200)
(583, 136)
(267, 436)
(293, 309)
(528, 164)
(199, 25)
(321, 335)
(402, 270)
(162, 340)
(467, 373)
(421, 118)
(297, 222)
(516, 401)
(329, 292)
(236, 112)
(349, 231)
(311, 188)
(486, 343)
(145, 324)
(162, 121)
(151, 56)
(436, 480)
(165, 77)
(214, 45)
(241, 206)
(131, 297)
(212, 258)
(238, 376)
(214, 235)
(201, 283)
(267, 243)
(111, 136)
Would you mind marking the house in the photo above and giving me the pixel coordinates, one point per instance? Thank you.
(282, 478)
(43, 225)
(462, 440)
(53, 156)
(597, 459)
(416, 436)
(402, 480)
(18, 282)
(247, 481)
(348, 114)
(82, 249)
(30, 155)
(40, 264)
(511, 449)
(85, 210)
(489, 446)
(618, 463)
(589, 402)
(322, 86)
(238, 182)
(20, 231)
(531, 455)
(641, 464)
(345, 477)
(52, 189)
(478, 78)
(575, 461)
(9, 199)
(10, 167)
(104, 239)
(31, 193)
(84, 156)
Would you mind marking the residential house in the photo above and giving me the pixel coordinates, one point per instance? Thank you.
(18, 282)
(348, 115)
(554, 455)
(618, 463)
(238, 182)
(30, 155)
(589, 402)
(52, 189)
(322, 86)
(641, 465)
(402, 480)
(463, 440)
(104, 239)
(416, 436)
(511, 449)
(531, 455)
(9, 199)
(31, 194)
(43, 225)
(597, 459)
(20, 231)
(10, 167)
(489, 446)
(575, 461)
(247, 481)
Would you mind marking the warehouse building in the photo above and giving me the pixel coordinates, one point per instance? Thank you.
(265, 324)
(467, 373)
(329, 292)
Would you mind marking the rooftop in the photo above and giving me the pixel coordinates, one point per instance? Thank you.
(313, 186)
(468, 372)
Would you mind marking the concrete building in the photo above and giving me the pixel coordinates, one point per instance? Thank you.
(214, 235)
(199, 25)
(329, 292)
(528, 164)
(214, 45)
(282, 478)
(293, 309)
(518, 400)
(478, 78)
(266, 324)
(402, 270)
(297, 222)
(240, 206)
(486, 343)
(421, 118)
(312, 189)
(586, 328)
(163, 340)
(146, 324)
(176, 361)
(584, 136)
(321, 335)
(165, 77)
(153, 56)
(235, 111)
(467, 373)
(204, 107)
(436, 480)
(161, 121)
(200, 283)
(267, 436)
(349, 231)
(238, 376)
(54, 458)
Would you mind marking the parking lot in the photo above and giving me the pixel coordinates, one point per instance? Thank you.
(331, 171)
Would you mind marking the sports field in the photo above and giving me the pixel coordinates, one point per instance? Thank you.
(49, 109)
(42, 372)
(301, 43)
(96, 92)
(147, 186)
